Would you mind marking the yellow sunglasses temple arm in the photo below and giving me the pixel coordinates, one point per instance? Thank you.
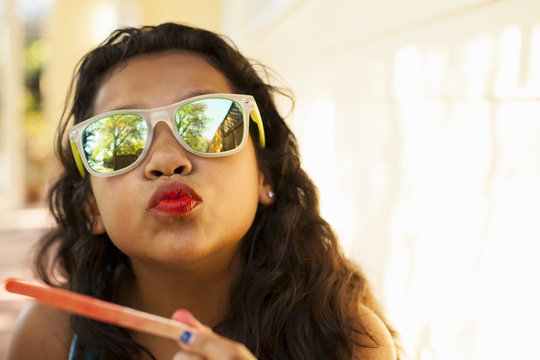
(256, 116)
(78, 160)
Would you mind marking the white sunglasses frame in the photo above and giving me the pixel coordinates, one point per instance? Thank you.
(166, 114)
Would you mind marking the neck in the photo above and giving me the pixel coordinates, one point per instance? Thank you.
(202, 288)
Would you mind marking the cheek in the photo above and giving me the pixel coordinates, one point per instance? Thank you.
(112, 203)
(120, 220)
(236, 211)
(246, 180)
(236, 194)
(237, 187)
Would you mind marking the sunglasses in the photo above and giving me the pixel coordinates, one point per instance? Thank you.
(212, 125)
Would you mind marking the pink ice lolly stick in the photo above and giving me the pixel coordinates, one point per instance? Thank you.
(98, 309)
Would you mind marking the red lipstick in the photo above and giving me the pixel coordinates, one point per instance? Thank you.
(174, 199)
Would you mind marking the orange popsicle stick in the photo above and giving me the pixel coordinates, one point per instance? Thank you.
(98, 309)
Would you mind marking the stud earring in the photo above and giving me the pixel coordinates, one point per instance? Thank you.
(271, 194)
(92, 224)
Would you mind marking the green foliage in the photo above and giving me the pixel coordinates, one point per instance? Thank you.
(191, 121)
(112, 137)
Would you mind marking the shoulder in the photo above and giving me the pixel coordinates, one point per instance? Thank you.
(40, 333)
(379, 344)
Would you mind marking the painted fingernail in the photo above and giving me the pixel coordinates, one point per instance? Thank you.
(186, 337)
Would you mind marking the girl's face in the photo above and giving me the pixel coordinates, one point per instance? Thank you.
(225, 191)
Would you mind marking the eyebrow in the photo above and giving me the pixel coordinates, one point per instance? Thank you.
(139, 106)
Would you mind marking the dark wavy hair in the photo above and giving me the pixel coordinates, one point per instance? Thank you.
(297, 296)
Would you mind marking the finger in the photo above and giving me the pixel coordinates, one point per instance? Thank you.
(186, 356)
(187, 318)
(211, 346)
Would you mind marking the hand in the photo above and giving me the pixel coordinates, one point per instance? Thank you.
(201, 343)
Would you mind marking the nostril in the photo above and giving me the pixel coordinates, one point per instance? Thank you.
(180, 170)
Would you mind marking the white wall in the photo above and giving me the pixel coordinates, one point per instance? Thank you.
(420, 122)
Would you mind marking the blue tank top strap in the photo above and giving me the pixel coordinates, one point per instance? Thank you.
(73, 351)
(72, 348)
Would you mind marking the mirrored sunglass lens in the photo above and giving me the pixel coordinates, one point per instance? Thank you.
(114, 142)
(211, 125)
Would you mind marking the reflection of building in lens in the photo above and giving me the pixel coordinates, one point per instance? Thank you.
(121, 161)
(229, 134)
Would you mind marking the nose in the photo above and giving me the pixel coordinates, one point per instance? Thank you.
(166, 156)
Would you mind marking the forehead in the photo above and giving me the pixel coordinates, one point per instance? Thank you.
(158, 79)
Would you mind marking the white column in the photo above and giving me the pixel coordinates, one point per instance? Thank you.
(11, 121)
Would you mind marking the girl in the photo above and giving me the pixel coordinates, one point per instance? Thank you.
(182, 189)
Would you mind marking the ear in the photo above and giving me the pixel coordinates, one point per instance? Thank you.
(98, 227)
(266, 192)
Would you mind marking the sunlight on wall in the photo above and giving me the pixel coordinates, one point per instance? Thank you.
(508, 316)
(478, 65)
(110, 15)
(422, 134)
(532, 86)
(104, 21)
(408, 74)
(468, 217)
(508, 63)
(518, 172)
(319, 143)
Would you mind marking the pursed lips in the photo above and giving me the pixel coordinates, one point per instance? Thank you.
(174, 199)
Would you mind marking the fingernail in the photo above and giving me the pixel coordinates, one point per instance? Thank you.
(185, 317)
(186, 337)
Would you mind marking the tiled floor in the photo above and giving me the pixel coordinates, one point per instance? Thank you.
(16, 242)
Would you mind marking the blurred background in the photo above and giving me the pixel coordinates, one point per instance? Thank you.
(419, 121)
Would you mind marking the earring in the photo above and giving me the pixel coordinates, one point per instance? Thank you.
(92, 224)
(271, 194)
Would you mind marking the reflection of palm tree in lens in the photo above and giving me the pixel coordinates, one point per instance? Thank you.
(191, 121)
(119, 140)
(230, 132)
